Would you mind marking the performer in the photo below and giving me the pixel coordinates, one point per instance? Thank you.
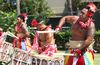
(45, 41)
(83, 29)
(21, 31)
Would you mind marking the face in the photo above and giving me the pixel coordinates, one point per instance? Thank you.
(83, 13)
(19, 20)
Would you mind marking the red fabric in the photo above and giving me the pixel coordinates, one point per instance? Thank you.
(80, 61)
(1, 33)
(18, 28)
(15, 42)
(70, 60)
(35, 41)
(49, 50)
(78, 52)
(80, 58)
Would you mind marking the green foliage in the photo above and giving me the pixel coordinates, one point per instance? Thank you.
(97, 41)
(62, 38)
(97, 32)
(82, 5)
(37, 8)
(32, 32)
(1, 1)
(97, 59)
(6, 7)
(7, 20)
(34, 8)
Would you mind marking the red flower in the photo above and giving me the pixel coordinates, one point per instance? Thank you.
(34, 22)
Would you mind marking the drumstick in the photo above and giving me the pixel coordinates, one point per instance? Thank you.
(56, 54)
(64, 54)
(52, 31)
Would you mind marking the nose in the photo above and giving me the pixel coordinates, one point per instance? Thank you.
(80, 14)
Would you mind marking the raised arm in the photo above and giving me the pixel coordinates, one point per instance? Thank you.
(68, 19)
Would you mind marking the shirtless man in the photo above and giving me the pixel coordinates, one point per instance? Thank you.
(46, 41)
(83, 29)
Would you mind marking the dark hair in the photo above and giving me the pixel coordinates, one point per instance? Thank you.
(22, 17)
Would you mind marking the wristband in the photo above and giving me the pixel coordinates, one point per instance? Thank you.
(59, 27)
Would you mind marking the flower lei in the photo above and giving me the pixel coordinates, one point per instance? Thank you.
(86, 24)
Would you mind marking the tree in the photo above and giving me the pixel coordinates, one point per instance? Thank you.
(37, 8)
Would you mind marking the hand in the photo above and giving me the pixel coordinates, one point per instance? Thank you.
(77, 52)
(58, 28)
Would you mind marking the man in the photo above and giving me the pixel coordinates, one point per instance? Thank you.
(45, 41)
(83, 29)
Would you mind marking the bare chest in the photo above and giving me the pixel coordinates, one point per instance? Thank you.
(78, 32)
(42, 37)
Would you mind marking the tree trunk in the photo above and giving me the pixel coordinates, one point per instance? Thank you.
(18, 6)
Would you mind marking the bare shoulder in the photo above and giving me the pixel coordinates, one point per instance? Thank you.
(71, 19)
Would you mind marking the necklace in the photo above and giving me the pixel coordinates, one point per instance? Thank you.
(85, 25)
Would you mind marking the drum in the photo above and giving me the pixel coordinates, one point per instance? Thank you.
(45, 60)
(6, 47)
(6, 52)
(21, 57)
